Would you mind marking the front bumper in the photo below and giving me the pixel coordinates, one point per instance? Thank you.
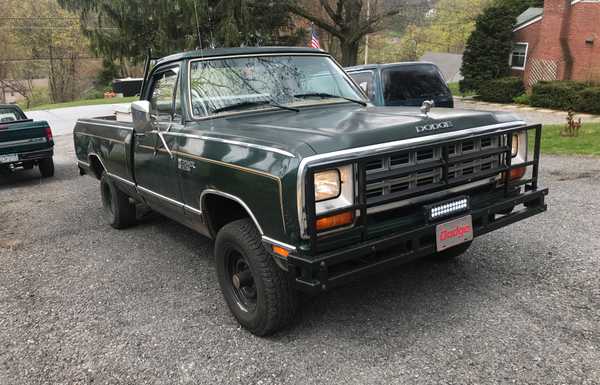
(324, 271)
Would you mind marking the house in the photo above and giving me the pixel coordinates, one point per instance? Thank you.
(560, 41)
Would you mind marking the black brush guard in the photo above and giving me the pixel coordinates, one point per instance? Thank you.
(316, 271)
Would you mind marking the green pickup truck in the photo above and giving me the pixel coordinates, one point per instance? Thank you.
(24, 143)
(276, 154)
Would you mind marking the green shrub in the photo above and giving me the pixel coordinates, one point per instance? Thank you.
(588, 100)
(560, 95)
(502, 90)
(522, 99)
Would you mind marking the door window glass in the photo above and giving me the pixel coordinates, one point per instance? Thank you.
(365, 81)
(162, 97)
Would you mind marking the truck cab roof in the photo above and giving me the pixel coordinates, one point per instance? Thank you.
(366, 67)
(205, 53)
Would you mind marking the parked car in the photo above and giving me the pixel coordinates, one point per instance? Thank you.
(403, 84)
(276, 155)
(24, 143)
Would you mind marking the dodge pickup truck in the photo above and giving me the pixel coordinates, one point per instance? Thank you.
(277, 155)
(24, 143)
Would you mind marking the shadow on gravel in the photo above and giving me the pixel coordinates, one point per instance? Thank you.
(422, 293)
(29, 178)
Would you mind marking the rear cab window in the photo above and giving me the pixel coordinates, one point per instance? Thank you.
(411, 84)
(8, 115)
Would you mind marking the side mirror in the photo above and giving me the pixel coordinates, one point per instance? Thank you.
(140, 114)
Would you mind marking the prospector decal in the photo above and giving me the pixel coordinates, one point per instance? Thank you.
(434, 127)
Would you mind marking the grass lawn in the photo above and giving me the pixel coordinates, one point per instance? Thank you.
(587, 143)
(454, 87)
(84, 102)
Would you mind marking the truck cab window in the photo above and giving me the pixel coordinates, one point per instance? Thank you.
(163, 92)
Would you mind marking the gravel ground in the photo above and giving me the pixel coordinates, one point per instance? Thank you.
(81, 303)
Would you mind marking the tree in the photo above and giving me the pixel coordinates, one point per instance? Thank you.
(40, 39)
(123, 30)
(489, 46)
(347, 20)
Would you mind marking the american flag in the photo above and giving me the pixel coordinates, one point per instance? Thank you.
(314, 40)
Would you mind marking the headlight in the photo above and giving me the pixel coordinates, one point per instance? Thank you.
(327, 185)
(515, 145)
(334, 189)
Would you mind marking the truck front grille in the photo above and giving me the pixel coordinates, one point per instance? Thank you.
(414, 172)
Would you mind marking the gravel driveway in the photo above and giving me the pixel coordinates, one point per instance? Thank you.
(81, 303)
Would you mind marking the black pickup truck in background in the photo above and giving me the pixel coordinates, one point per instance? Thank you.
(24, 143)
(402, 84)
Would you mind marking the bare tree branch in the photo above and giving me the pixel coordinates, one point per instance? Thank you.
(321, 23)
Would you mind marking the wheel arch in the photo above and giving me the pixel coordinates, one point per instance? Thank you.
(221, 208)
(96, 165)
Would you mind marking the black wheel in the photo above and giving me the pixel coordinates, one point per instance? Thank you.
(46, 167)
(5, 170)
(259, 293)
(118, 210)
(452, 252)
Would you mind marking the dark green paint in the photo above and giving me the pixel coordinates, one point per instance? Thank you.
(23, 130)
(264, 180)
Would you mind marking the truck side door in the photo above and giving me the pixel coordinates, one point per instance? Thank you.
(155, 165)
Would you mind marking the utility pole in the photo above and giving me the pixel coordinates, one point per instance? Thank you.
(367, 35)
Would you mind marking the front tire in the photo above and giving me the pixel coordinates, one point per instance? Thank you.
(118, 210)
(46, 167)
(258, 292)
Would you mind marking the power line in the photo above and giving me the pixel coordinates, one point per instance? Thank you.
(48, 58)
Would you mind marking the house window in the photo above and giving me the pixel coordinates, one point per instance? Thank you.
(518, 56)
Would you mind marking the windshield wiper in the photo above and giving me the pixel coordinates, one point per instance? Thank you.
(326, 95)
(245, 104)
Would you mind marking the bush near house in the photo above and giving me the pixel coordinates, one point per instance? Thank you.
(502, 90)
(559, 95)
(566, 95)
(588, 100)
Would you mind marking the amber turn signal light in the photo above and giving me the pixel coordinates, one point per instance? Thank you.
(336, 220)
(280, 251)
(517, 173)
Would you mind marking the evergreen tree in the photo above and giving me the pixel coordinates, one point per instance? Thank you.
(124, 30)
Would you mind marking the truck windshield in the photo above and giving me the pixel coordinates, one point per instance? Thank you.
(223, 86)
(411, 84)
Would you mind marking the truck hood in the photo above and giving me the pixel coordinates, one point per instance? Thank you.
(333, 128)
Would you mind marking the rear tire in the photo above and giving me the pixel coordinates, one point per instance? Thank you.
(452, 253)
(46, 167)
(258, 292)
(118, 210)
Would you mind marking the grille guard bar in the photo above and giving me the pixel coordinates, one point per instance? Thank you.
(322, 272)
(361, 204)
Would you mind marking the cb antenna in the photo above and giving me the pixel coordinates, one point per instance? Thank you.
(198, 26)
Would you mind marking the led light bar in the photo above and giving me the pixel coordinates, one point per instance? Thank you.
(448, 208)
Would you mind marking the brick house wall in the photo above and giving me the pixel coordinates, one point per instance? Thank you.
(584, 41)
(564, 44)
